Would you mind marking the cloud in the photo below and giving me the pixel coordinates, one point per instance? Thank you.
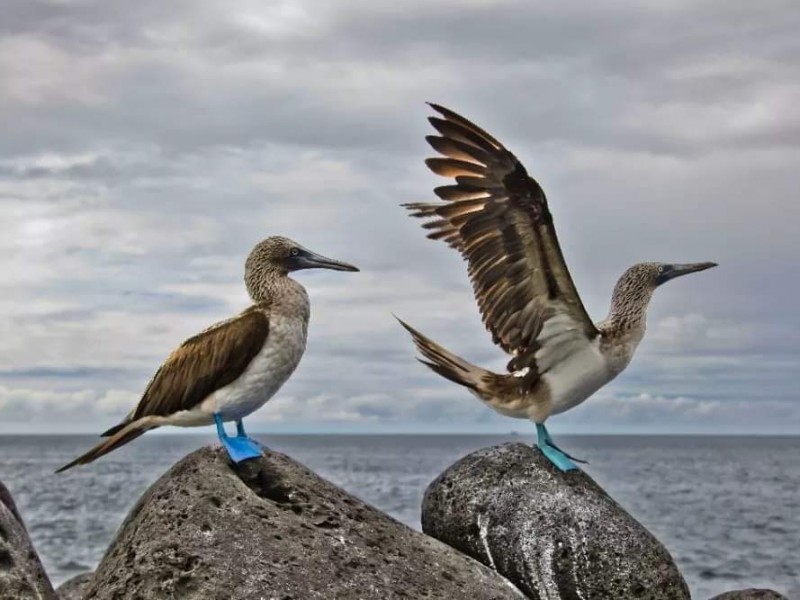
(694, 333)
(21, 404)
(146, 147)
(645, 413)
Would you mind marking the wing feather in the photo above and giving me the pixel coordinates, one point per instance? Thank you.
(449, 167)
(497, 217)
(203, 364)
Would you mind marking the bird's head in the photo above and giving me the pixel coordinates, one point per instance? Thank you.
(653, 274)
(642, 278)
(634, 289)
(279, 255)
(283, 255)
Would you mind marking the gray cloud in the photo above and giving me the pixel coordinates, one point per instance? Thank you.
(146, 147)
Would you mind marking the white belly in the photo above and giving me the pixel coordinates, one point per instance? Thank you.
(575, 379)
(266, 374)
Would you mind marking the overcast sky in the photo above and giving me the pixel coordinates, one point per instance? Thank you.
(146, 146)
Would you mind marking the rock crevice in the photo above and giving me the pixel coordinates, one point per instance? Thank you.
(22, 575)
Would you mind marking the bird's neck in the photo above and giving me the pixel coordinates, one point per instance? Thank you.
(262, 282)
(623, 329)
(278, 291)
(628, 313)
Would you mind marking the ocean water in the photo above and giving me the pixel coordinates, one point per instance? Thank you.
(727, 508)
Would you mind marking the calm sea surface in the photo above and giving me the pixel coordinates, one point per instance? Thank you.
(727, 508)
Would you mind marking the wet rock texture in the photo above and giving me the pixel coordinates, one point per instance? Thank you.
(21, 573)
(270, 528)
(750, 594)
(555, 535)
(74, 588)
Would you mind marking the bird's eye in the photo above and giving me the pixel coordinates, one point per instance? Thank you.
(294, 251)
(660, 269)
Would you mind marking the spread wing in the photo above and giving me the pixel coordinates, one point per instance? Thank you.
(203, 364)
(497, 217)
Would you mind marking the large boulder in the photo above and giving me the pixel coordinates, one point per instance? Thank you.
(750, 594)
(270, 528)
(554, 535)
(22, 575)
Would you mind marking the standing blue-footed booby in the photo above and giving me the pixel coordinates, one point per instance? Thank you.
(497, 217)
(232, 368)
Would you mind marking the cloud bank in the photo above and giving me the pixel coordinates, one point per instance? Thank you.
(147, 147)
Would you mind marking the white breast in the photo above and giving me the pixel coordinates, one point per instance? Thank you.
(267, 373)
(573, 379)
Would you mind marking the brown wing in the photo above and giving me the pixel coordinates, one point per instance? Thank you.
(203, 364)
(200, 366)
(497, 217)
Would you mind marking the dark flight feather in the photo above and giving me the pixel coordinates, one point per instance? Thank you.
(497, 217)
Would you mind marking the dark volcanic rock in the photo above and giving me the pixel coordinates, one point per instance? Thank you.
(270, 528)
(750, 594)
(21, 574)
(5, 498)
(74, 588)
(555, 535)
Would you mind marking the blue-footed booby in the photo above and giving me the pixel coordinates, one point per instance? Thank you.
(231, 369)
(496, 216)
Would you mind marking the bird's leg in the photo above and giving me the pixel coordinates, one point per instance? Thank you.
(239, 448)
(560, 459)
(241, 434)
(220, 427)
(549, 441)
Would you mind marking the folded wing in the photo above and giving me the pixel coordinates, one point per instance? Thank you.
(200, 366)
(204, 363)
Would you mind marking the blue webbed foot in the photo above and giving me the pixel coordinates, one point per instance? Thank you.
(554, 454)
(239, 448)
(549, 442)
(558, 458)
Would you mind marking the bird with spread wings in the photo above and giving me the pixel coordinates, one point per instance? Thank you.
(497, 217)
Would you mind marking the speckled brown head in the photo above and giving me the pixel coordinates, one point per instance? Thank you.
(277, 256)
(633, 290)
(653, 274)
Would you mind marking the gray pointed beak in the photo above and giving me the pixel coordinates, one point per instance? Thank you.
(311, 260)
(673, 271)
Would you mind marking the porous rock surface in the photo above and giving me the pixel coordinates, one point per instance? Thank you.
(22, 575)
(554, 535)
(74, 588)
(750, 594)
(8, 500)
(271, 528)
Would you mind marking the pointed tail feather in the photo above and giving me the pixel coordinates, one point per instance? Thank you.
(119, 426)
(123, 435)
(452, 367)
(114, 429)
